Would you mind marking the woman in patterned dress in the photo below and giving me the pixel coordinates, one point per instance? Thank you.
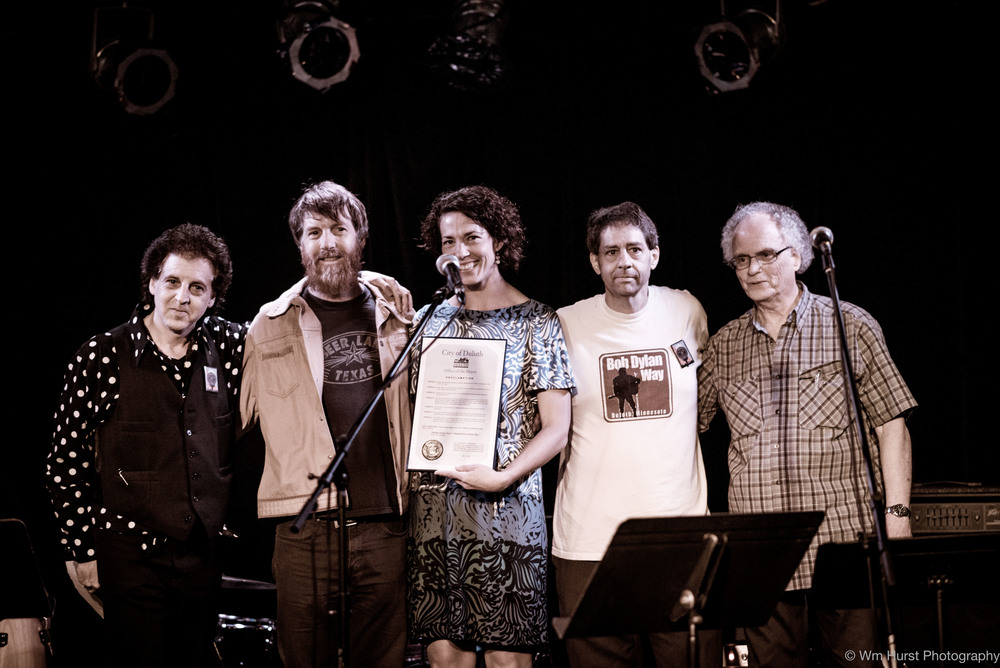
(478, 539)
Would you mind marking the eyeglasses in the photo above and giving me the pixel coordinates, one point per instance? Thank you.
(764, 257)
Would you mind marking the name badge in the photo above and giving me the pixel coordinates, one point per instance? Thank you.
(683, 353)
(211, 379)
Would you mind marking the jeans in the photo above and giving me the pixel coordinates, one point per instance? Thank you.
(161, 604)
(307, 574)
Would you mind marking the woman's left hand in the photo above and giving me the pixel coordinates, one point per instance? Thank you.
(477, 477)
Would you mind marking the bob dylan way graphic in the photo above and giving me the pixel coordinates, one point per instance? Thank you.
(636, 385)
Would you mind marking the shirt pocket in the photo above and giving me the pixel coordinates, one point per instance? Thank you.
(138, 495)
(822, 398)
(741, 402)
(137, 446)
(281, 366)
(224, 438)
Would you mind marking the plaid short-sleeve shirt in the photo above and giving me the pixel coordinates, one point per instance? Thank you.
(794, 446)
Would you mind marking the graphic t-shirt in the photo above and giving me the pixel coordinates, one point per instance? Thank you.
(352, 375)
(634, 449)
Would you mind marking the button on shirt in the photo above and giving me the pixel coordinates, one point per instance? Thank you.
(793, 447)
(89, 397)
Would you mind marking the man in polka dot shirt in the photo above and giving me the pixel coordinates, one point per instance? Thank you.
(141, 461)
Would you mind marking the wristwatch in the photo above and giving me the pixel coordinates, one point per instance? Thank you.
(899, 510)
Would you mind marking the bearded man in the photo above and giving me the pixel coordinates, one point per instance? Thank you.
(314, 359)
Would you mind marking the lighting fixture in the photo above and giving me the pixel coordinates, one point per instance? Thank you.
(321, 48)
(127, 62)
(730, 52)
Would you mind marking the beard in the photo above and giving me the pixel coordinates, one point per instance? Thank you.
(334, 278)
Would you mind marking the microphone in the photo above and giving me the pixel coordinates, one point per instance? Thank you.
(822, 238)
(447, 266)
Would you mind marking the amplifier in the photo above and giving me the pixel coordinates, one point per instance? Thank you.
(954, 508)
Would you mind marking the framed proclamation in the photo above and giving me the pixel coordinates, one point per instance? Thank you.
(457, 404)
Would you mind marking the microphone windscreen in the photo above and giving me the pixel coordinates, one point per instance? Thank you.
(820, 236)
(445, 260)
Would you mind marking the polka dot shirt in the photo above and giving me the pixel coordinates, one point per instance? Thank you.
(89, 396)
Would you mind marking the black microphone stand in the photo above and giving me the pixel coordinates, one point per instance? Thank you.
(825, 246)
(336, 474)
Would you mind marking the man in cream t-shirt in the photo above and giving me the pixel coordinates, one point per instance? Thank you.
(634, 449)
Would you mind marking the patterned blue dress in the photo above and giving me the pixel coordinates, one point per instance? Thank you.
(478, 561)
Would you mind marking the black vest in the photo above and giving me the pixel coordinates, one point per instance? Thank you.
(165, 460)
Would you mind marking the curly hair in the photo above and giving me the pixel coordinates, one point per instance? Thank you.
(191, 242)
(488, 208)
(331, 200)
(786, 218)
(626, 213)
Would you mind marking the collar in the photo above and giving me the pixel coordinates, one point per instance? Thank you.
(142, 341)
(293, 297)
(795, 316)
(806, 299)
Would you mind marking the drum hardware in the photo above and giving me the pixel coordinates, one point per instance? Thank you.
(247, 642)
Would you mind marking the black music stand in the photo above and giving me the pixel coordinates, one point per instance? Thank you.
(23, 594)
(719, 571)
(23, 591)
(932, 573)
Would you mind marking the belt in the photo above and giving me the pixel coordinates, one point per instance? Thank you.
(333, 517)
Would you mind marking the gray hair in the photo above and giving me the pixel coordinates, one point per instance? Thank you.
(788, 221)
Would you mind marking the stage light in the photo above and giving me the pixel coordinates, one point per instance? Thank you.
(126, 61)
(471, 56)
(731, 52)
(320, 48)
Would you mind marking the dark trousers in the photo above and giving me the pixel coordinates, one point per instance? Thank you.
(306, 571)
(839, 637)
(161, 603)
(664, 650)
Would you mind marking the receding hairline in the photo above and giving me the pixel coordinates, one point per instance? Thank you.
(623, 223)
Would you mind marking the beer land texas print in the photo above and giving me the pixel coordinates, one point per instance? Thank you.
(636, 385)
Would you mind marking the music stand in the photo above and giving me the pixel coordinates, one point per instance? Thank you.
(720, 570)
(931, 571)
(24, 593)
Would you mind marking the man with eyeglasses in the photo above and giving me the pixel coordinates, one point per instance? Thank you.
(777, 375)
